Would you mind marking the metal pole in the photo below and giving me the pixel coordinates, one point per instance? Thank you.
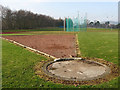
(86, 22)
(67, 24)
(78, 22)
(64, 24)
(73, 24)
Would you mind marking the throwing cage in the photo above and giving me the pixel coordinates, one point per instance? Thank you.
(75, 24)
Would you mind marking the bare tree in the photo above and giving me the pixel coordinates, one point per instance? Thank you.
(23, 19)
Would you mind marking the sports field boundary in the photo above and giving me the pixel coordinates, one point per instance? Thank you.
(77, 47)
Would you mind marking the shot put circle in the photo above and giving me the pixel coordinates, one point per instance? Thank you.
(75, 69)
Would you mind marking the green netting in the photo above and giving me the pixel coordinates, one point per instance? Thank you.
(76, 24)
(69, 24)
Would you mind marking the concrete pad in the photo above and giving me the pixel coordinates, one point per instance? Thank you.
(78, 69)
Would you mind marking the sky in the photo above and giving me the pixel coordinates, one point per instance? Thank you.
(102, 10)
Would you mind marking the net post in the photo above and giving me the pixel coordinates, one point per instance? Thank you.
(86, 22)
(73, 24)
(67, 24)
(64, 24)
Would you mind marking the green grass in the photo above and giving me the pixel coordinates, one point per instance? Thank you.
(18, 63)
(111, 84)
(100, 45)
(103, 29)
(57, 29)
(14, 34)
(41, 29)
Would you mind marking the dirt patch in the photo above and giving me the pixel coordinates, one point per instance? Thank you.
(60, 46)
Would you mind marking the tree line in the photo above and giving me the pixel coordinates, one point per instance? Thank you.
(23, 19)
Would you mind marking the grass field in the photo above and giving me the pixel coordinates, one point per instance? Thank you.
(57, 29)
(102, 29)
(41, 29)
(18, 63)
(100, 45)
(39, 33)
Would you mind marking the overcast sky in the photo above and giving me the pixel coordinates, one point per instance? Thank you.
(103, 10)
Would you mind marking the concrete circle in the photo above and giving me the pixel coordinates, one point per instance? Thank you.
(76, 69)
